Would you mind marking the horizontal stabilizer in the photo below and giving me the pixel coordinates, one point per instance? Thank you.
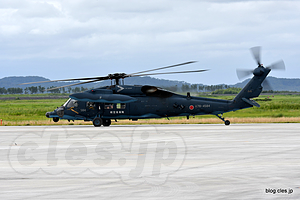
(251, 102)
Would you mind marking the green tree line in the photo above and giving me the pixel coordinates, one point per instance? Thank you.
(227, 91)
(40, 90)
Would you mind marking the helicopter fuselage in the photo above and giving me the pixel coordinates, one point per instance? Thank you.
(137, 102)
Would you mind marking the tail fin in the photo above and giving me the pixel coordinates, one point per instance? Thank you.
(252, 89)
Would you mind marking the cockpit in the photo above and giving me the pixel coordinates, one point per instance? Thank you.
(70, 103)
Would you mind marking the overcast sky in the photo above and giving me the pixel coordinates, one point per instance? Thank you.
(82, 38)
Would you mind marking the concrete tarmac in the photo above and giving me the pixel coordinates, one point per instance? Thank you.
(240, 161)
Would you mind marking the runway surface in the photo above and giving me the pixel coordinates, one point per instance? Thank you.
(240, 161)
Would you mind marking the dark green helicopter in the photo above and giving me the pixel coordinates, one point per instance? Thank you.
(134, 102)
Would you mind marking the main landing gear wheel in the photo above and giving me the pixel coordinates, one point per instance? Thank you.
(227, 122)
(106, 122)
(97, 122)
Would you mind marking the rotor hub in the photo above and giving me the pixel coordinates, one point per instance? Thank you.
(258, 71)
(116, 76)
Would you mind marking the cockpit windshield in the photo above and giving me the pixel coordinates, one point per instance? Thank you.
(65, 104)
(71, 103)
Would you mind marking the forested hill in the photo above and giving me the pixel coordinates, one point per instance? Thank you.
(277, 84)
(15, 81)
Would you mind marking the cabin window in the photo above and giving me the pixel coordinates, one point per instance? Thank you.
(121, 105)
(90, 104)
(108, 106)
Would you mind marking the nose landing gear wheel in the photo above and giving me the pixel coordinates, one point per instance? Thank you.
(97, 122)
(106, 122)
(55, 119)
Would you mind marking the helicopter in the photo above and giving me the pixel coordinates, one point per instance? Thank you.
(133, 102)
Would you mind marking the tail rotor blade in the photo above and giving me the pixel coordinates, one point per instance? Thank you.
(266, 85)
(256, 53)
(277, 66)
(241, 74)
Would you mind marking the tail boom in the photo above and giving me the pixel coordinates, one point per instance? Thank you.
(251, 90)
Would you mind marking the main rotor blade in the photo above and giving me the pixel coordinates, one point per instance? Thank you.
(279, 65)
(256, 53)
(241, 73)
(72, 79)
(150, 70)
(182, 72)
(72, 85)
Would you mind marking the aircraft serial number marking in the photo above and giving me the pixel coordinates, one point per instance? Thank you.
(206, 105)
(116, 112)
(203, 106)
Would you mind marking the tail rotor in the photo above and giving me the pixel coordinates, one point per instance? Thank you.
(256, 53)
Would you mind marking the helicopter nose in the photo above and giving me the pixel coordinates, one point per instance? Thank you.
(60, 111)
(48, 114)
